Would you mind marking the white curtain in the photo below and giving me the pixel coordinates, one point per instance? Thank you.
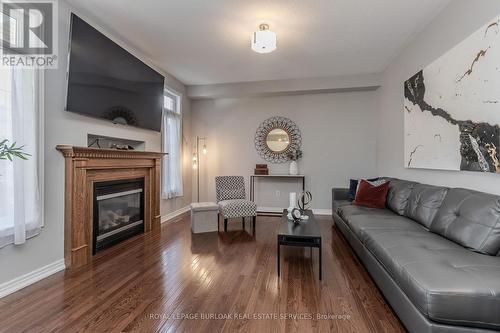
(172, 163)
(20, 208)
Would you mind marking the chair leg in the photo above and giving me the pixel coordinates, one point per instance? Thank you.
(243, 223)
(253, 225)
(218, 221)
(225, 225)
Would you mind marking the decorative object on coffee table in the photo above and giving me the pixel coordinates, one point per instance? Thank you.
(275, 137)
(296, 215)
(302, 203)
(294, 155)
(305, 199)
(293, 203)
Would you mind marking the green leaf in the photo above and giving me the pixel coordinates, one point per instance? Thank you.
(9, 151)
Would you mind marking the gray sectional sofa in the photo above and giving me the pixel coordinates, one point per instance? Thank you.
(434, 252)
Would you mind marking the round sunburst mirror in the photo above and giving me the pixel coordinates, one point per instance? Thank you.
(275, 137)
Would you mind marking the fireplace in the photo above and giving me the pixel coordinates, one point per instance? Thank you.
(86, 167)
(118, 211)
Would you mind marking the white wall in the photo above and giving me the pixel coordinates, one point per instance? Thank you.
(338, 132)
(67, 128)
(455, 23)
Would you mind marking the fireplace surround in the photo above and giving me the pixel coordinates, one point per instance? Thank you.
(87, 167)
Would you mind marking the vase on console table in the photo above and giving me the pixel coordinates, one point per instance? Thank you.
(293, 202)
(294, 168)
(293, 156)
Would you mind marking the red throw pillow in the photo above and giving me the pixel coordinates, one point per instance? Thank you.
(370, 195)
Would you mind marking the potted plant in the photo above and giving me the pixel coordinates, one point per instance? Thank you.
(10, 151)
(294, 155)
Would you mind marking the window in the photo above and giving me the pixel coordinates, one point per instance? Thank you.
(13, 24)
(172, 144)
(21, 120)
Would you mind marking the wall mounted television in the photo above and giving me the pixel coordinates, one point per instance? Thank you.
(105, 81)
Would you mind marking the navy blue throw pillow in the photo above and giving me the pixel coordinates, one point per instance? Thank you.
(353, 186)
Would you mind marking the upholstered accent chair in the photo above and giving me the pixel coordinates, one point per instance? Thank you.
(231, 198)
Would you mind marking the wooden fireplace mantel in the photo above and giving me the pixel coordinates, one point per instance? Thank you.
(83, 167)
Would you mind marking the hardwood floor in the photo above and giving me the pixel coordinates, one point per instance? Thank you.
(162, 283)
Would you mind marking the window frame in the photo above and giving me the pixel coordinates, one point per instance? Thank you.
(40, 81)
(177, 98)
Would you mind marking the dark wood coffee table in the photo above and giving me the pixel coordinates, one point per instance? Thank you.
(305, 234)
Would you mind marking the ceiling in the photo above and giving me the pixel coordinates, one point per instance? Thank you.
(208, 41)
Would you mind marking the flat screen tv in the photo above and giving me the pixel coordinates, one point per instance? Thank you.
(106, 81)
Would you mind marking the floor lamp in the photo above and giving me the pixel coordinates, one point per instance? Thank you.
(196, 161)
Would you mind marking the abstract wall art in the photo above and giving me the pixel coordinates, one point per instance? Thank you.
(452, 107)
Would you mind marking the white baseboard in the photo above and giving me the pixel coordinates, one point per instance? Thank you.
(320, 211)
(169, 216)
(270, 209)
(317, 211)
(25, 280)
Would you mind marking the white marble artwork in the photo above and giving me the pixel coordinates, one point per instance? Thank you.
(452, 107)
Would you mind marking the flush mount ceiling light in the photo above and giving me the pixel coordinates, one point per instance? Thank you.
(264, 40)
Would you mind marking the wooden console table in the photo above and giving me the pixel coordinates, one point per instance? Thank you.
(252, 187)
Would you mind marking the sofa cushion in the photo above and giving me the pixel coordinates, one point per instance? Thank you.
(371, 194)
(353, 187)
(471, 219)
(445, 281)
(424, 202)
(359, 224)
(399, 192)
(348, 211)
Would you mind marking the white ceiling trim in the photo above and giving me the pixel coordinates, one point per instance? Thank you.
(286, 87)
